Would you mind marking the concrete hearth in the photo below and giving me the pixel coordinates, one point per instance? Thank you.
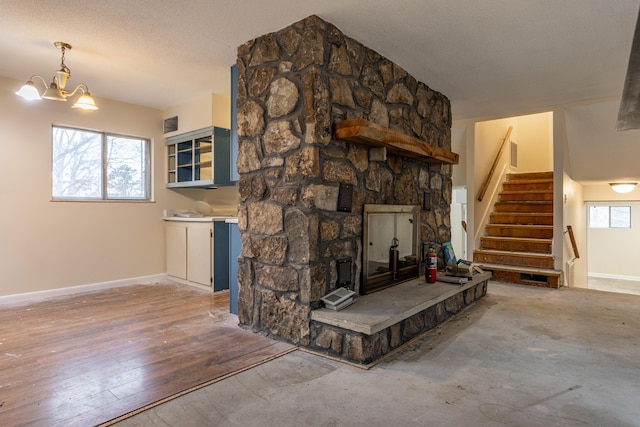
(382, 321)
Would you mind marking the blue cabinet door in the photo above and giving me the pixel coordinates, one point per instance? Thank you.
(222, 167)
(234, 253)
(220, 256)
(235, 176)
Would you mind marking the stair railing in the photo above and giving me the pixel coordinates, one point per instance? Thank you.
(485, 185)
(573, 241)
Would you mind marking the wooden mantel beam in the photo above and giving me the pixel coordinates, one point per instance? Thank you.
(364, 132)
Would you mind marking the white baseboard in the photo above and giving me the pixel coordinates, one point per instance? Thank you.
(189, 283)
(613, 276)
(49, 293)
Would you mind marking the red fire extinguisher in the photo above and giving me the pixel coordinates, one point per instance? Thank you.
(432, 266)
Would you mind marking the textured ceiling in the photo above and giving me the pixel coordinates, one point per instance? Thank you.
(492, 58)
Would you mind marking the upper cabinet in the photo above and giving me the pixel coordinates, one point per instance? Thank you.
(201, 158)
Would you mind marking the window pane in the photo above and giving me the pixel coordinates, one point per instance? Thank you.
(126, 168)
(76, 164)
(599, 216)
(620, 216)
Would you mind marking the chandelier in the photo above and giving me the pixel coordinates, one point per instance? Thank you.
(56, 90)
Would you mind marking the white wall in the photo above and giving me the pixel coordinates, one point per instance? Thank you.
(458, 214)
(488, 138)
(209, 110)
(534, 135)
(569, 201)
(612, 251)
(48, 245)
(574, 215)
(459, 146)
(459, 136)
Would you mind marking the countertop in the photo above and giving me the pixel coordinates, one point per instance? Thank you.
(199, 219)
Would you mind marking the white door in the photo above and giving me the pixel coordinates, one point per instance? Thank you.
(200, 253)
(176, 250)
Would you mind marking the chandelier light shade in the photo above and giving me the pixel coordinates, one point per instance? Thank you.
(85, 102)
(623, 187)
(56, 90)
(29, 91)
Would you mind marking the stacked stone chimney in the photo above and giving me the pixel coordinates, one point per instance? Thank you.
(293, 86)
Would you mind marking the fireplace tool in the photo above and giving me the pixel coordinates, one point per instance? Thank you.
(394, 255)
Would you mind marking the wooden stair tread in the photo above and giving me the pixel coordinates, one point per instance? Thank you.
(530, 181)
(532, 270)
(517, 245)
(504, 217)
(521, 218)
(530, 184)
(530, 175)
(524, 202)
(535, 227)
(513, 253)
(526, 213)
(526, 191)
(526, 195)
(505, 206)
(519, 239)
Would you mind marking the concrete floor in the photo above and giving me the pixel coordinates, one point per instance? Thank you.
(522, 356)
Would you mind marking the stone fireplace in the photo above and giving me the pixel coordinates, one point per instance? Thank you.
(294, 85)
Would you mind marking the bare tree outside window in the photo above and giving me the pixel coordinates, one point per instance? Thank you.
(126, 168)
(81, 160)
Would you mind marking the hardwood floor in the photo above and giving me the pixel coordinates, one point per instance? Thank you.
(88, 358)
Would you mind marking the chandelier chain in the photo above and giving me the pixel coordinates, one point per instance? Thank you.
(63, 66)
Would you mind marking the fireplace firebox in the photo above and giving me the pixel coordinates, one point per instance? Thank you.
(390, 245)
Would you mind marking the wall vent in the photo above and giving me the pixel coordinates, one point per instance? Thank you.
(170, 124)
(534, 278)
(514, 155)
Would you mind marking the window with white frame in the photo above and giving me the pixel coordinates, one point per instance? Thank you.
(609, 216)
(90, 165)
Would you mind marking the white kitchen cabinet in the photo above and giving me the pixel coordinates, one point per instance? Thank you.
(190, 252)
(197, 251)
(176, 249)
(200, 253)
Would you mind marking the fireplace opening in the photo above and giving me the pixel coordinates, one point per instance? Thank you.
(390, 245)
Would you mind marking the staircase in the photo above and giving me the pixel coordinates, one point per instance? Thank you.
(517, 243)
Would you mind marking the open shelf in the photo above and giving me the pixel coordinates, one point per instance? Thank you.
(199, 158)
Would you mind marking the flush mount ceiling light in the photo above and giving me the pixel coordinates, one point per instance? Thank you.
(623, 187)
(56, 90)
